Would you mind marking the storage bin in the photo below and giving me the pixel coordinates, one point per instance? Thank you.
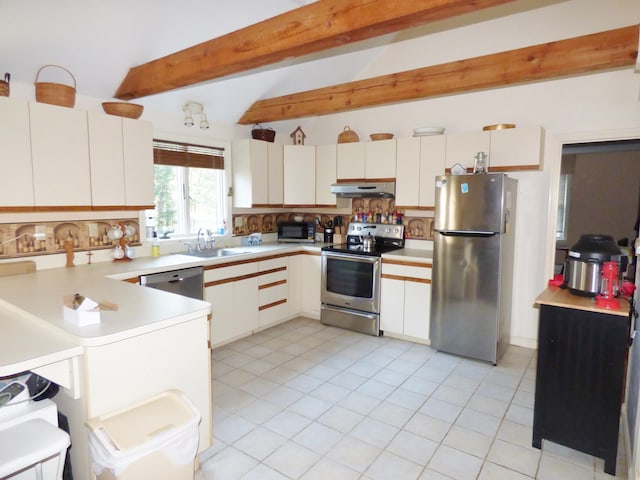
(156, 438)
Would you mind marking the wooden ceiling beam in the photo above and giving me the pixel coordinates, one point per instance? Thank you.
(607, 50)
(318, 26)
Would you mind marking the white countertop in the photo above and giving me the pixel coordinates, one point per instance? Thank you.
(410, 255)
(35, 333)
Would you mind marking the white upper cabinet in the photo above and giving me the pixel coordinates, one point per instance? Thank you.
(419, 160)
(326, 158)
(121, 157)
(299, 175)
(350, 161)
(380, 160)
(137, 145)
(250, 173)
(106, 159)
(516, 147)
(463, 147)
(60, 156)
(275, 192)
(16, 190)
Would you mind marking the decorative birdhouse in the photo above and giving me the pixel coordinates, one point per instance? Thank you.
(298, 136)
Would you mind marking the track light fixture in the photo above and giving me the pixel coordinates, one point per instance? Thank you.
(192, 108)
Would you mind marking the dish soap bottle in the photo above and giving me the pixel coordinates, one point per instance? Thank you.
(155, 246)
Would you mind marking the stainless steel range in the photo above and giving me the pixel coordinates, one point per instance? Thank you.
(350, 289)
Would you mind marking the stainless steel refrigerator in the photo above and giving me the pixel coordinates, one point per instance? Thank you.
(472, 277)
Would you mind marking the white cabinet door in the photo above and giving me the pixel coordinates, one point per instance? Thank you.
(222, 312)
(309, 281)
(275, 192)
(60, 155)
(106, 160)
(350, 161)
(432, 160)
(463, 147)
(326, 157)
(299, 175)
(392, 305)
(137, 146)
(245, 302)
(408, 172)
(380, 160)
(250, 173)
(417, 305)
(516, 147)
(16, 189)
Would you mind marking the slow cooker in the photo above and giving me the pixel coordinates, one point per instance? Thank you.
(583, 266)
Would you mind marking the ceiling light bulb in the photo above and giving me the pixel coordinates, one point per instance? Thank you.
(188, 120)
(204, 124)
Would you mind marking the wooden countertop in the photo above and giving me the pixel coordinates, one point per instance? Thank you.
(561, 297)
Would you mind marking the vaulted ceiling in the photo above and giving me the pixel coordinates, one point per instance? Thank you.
(252, 60)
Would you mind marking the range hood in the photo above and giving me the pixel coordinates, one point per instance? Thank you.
(362, 189)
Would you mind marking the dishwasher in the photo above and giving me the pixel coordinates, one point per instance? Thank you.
(186, 281)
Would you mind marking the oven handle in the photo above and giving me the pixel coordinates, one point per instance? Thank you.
(351, 257)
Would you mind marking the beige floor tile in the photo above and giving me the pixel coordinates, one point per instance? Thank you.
(259, 411)
(374, 432)
(468, 441)
(232, 428)
(412, 447)
(318, 437)
(376, 389)
(491, 471)
(230, 464)
(455, 464)
(287, 423)
(515, 433)
(309, 406)
(392, 414)
(353, 453)
(327, 469)
(359, 402)
(406, 398)
(428, 427)
(262, 472)
(552, 468)
(521, 459)
(292, 460)
(490, 406)
(341, 419)
(440, 409)
(260, 443)
(478, 422)
(388, 465)
(330, 392)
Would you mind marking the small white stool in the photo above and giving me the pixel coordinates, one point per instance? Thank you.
(28, 444)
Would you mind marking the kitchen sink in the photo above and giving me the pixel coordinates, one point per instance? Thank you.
(215, 253)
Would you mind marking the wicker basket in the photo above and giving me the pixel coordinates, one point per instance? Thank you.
(4, 85)
(348, 136)
(266, 134)
(381, 136)
(55, 93)
(123, 109)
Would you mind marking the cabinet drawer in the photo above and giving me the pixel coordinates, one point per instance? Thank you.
(271, 278)
(273, 263)
(406, 271)
(272, 294)
(232, 272)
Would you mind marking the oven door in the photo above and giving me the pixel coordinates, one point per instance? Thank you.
(351, 281)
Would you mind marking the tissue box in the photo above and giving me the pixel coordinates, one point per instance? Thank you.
(83, 311)
(81, 317)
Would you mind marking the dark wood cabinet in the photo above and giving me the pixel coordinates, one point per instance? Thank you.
(580, 379)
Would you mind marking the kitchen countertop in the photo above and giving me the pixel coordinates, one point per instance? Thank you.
(31, 304)
(561, 297)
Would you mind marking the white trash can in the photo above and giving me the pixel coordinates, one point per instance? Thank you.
(156, 438)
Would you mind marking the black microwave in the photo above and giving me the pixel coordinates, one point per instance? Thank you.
(296, 232)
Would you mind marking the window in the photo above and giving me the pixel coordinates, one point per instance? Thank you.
(563, 207)
(189, 187)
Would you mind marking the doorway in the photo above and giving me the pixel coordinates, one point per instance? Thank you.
(599, 193)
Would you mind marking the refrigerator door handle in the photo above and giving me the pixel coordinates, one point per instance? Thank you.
(469, 233)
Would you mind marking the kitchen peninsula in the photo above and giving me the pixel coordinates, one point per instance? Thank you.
(153, 342)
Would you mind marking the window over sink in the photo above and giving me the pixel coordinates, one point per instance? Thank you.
(189, 186)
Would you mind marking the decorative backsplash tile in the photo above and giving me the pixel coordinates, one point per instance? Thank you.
(44, 238)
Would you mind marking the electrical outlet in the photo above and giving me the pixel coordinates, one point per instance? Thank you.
(237, 222)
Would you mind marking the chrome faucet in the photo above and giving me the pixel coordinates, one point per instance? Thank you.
(198, 247)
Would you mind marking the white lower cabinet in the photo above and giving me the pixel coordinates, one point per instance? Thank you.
(304, 282)
(405, 299)
(273, 291)
(233, 294)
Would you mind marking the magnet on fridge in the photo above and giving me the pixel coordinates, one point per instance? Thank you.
(464, 187)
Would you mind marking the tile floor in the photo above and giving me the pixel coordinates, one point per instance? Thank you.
(305, 401)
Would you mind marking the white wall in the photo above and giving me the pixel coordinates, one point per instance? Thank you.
(568, 107)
